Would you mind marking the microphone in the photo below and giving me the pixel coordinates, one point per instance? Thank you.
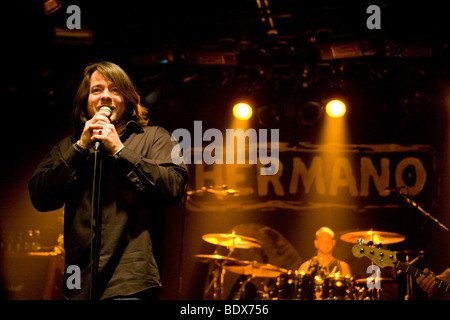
(107, 110)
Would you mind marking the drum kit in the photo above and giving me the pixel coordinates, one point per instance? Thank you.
(286, 284)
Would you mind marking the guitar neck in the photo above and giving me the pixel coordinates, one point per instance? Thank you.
(417, 273)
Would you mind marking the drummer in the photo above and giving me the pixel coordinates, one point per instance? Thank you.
(324, 260)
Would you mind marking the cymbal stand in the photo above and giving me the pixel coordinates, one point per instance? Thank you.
(218, 278)
(409, 293)
(409, 278)
(250, 277)
(241, 291)
(374, 294)
(372, 291)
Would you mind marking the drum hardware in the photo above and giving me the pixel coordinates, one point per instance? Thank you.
(337, 287)
(409, 278)
(222, 190)
(252, 270)
(206, 258)
(230, 241)
(377, 237)
(409, 293)
(263, 292)
(364, 293)
(241, 291)
(218, 272)
(291, 284)
(294, 285)
(318, 286)
(255, 269)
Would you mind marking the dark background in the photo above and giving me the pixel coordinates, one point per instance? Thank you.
(397, 95)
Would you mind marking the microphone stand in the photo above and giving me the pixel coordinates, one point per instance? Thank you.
(414, 204)
(96, 215)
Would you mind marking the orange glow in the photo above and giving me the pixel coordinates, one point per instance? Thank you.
(242, 111)
(336, 108)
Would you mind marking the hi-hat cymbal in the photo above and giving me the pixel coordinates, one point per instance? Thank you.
(377, 237)
(213, 257)
(232, 240)
(256, 269)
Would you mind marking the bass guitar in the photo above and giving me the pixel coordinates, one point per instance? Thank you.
(385, 258)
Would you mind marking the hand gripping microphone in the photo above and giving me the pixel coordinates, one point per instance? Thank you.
(104, 110)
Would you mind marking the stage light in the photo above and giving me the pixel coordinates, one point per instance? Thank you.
(309, 113)
(242, 111)
(336, 108)
(267, 117)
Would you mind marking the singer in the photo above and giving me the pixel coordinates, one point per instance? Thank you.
(138, 182)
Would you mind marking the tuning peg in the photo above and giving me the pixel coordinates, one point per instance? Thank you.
(360, 241)
(370, 243)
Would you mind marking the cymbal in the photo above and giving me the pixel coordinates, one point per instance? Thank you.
(382, 237)
(213, 257)
(232, 240)
(222, 190)
(256, 269)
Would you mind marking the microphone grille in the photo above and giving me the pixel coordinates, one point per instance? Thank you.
(106, 110)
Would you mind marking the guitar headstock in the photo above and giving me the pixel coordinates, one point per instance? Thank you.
(382, 258)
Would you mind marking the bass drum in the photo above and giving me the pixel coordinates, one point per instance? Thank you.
(337, 287)
(294, 285)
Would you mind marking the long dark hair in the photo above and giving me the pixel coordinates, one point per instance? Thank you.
(115, 74)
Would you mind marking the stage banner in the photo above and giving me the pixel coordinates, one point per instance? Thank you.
(305, 176)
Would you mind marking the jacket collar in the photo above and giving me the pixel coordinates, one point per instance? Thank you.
(130, 128)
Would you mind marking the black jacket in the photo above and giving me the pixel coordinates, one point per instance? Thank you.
(137, 186)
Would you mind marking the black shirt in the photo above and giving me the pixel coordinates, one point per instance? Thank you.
(136, 187)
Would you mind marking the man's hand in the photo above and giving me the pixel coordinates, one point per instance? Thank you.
(428, 281)
(100, 128)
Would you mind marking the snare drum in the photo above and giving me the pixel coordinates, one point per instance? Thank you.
(337, 287)
(294, 285)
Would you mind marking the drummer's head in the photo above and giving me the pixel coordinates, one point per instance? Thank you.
(325, 240)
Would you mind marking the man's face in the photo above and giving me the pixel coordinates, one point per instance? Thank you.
(324, 243)
(103, 92)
